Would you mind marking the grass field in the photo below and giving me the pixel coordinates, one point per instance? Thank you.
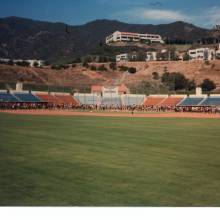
(98, 161)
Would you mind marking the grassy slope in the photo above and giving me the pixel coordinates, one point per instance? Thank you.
(89, 161)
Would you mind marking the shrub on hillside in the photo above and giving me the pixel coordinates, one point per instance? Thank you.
(102, 68)
(132, 70)
(186, 57)
(10, 62)
(207, 62)
(23, 63)
(56, 67)
(85, 64)
(59, 67)
(113, 66)
(123, 68)
(36, 64)
(155, 75)
(93, 68)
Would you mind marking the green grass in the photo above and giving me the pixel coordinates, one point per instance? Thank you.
(98, 161)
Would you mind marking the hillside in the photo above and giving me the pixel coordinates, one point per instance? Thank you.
(82, 78)
(29, 39)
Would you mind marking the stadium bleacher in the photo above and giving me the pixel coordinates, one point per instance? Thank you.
(7, 97)
(47, 97)
(129, 100)
(27, 97)
(111, 101)
(211, 101)
(171, 101)
(154, 100)
(191, 101)
(66, 99)
(86, 99)
(58, 99)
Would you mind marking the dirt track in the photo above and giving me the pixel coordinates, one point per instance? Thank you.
(111, 114)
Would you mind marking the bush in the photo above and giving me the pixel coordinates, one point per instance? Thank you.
(191, 85)
(186, 57)
(155, 75)
(85, 64)
(207, 62)
(23, 63)
(10, 62)
(59, 67)
(77, 60)
(93, 68)
(36, 64)
(56, 67)
(102, 68)
(64, 66)
(123, 68)
(132, 70)
(113, 66)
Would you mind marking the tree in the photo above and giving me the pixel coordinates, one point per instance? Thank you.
(186, 57)
(10, 62)
(208, 85)
(191, 85)
(36, 64)
(174, 81)
(141, 56)
(77, 60)
(87, 59)
(113, 66)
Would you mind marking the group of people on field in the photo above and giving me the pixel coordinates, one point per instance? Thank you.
(131, 108)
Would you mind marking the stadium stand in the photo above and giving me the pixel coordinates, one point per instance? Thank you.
(111, 101)
(154, 100)
(27, 97)
(129, 100)
(66, 99)
(171, 101)
(47, 97)
(8, 97)
(191, 101)
(58, 98)
(87, 99)
(211, 101)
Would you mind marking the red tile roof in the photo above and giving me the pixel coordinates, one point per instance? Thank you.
(122, 88)
(96, 88)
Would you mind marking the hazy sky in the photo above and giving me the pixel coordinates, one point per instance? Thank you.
(204, 13)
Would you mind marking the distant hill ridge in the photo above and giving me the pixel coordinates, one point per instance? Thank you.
(26, 38)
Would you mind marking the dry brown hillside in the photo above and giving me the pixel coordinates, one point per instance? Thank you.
(197, 70)
(80, 76)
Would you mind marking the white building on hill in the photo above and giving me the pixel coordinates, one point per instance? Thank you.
(217, 53)
(133, 37)
(32, 63)
(202, 54)
(122, 57)
(151, 56)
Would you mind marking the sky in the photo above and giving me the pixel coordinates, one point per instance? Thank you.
(204, 13)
